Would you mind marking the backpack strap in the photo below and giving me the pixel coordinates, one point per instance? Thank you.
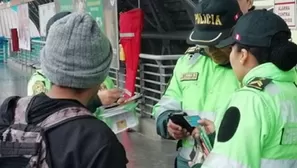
(8, 146)
(7, 112)
(54, 120)
(20, 115)
(63, 116)
(36, 151)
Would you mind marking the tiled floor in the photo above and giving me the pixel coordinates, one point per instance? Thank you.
(12, 82)
(142, 152)
(147, 153)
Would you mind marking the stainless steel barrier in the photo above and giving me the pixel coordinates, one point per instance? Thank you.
(154, 72)
(3, 49)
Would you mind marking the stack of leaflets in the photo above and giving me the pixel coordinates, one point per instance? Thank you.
(205, 142)
(201, 150)
(120, 117)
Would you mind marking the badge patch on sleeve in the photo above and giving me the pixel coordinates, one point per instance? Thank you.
(289, 135)
(38, 87)
(229, 124)
(190, 76)
(192, 50)
(259, 83)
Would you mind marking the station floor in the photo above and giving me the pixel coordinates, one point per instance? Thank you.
(142, 151)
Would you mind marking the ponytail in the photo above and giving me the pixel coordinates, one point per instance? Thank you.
(283, 52)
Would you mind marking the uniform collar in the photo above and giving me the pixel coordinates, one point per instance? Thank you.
(270, 71)
(39, 70)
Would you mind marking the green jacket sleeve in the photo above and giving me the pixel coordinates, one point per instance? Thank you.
(241, 133)
(169, 102)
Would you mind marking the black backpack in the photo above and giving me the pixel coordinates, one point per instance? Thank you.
(23, 145)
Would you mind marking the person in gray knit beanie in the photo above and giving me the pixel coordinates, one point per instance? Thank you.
(77, 54)
(37, 83)
(76, 59)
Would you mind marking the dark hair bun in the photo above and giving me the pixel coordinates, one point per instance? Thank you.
(284, 55)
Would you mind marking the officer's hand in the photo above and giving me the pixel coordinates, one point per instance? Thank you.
(176, 131)
(109, 96)
(207, 124)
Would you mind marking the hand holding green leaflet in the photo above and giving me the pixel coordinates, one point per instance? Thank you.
(208, 126)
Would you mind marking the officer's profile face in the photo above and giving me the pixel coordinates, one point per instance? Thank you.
(245, 5)
(219, 55)
(239, 61)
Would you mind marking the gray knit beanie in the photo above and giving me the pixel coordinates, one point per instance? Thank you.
(76, 53)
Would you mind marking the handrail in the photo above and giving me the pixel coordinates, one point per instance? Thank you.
(159, 57)
(141, 55)
(38, 41)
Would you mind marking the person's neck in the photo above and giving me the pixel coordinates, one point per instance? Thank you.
(66, 93)
(222, 62)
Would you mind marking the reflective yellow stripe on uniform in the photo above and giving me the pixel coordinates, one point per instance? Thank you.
(220, 161)
(167, 103)
(214, 160)
(284, 163)
(202, 114)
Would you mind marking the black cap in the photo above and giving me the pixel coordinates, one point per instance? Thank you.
(256, 28)
(252, 8)
(56, 17)
(213, 21)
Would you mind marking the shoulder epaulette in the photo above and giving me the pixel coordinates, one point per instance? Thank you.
(192, 50)
(259, 83)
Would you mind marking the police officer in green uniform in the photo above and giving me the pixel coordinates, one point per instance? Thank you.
(202, 80)
(107, 94)
(259, 127)
(39, 83)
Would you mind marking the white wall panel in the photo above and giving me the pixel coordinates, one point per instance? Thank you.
(9, 19)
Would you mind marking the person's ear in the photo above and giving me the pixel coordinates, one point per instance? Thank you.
(250, 3)
(243, 56)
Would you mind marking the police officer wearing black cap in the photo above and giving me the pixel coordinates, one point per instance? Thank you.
(202, 80)
(258, 129)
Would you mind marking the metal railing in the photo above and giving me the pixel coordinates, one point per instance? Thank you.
(153, 74)
(3, 49)
(28, 58)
